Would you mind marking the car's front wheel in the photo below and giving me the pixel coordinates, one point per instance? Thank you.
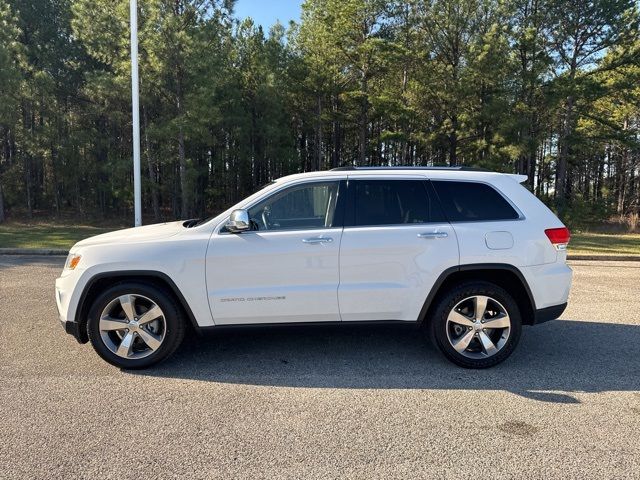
(134, 325)
(476, 325)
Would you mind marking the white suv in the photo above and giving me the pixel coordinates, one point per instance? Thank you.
(469, 256)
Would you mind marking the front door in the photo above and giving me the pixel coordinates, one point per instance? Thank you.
(286, 268)
(395, 244)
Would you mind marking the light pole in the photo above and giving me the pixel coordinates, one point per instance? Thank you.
(135, 106)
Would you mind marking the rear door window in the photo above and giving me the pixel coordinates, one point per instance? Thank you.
(472, 202)
(392, 202)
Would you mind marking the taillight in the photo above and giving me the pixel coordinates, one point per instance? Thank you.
(559, 237)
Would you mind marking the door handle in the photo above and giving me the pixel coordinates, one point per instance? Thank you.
(433, 235)
(317, 240)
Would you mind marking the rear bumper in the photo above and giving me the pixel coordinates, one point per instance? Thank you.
(549, 284)
(549, 313)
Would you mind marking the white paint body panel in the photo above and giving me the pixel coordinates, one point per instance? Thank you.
(366, 273)
(178, 254)
(386, 272)
(273, 277)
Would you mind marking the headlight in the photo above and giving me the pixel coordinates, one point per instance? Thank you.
(72, 261)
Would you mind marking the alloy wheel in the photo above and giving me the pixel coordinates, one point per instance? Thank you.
(132, 326)
(478, 327)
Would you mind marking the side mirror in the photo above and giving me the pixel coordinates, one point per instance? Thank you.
(239, 221)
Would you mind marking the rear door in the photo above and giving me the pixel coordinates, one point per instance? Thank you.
(395, 244)
(286, 268)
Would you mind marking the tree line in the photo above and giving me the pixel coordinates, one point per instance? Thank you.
(548, 88)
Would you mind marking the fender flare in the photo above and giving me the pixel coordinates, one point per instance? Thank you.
(470, 267)
(133, 274)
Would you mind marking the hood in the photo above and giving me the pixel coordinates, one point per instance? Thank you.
(147, 233)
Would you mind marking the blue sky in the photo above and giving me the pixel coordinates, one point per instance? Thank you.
(266, 12)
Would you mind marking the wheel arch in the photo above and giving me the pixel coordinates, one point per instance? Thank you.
(505, 276)
(101, 281)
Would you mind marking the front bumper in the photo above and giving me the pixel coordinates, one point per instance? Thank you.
(65, 288)
(72, 328)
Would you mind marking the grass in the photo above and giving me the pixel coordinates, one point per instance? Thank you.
(604, 244)
(45, 235)
(62, 236)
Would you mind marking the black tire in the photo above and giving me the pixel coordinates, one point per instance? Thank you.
(437, 324)
(172, 313)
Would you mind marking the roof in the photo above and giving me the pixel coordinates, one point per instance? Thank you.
(458, 172)
(460, 168)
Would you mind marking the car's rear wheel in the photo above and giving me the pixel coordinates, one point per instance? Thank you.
(476, 325)
(135, 325)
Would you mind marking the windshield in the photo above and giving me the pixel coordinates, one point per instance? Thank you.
(259, 192)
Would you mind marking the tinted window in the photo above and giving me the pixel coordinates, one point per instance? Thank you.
(305, 206)
(470, 201)
(391, 202)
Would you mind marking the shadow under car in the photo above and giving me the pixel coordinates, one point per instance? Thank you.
(552, 360)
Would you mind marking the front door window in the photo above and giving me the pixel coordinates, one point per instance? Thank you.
(301, 207)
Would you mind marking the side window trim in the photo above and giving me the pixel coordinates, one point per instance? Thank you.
(503, 196)
(435, 201)
(349, 207)
(341, 202)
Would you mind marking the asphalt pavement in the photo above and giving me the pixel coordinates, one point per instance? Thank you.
(341, 402)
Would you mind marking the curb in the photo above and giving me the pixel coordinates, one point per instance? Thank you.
(33, 251)
(606, 258)
(62, 252)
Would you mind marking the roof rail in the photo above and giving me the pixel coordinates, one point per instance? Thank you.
(461, 168)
